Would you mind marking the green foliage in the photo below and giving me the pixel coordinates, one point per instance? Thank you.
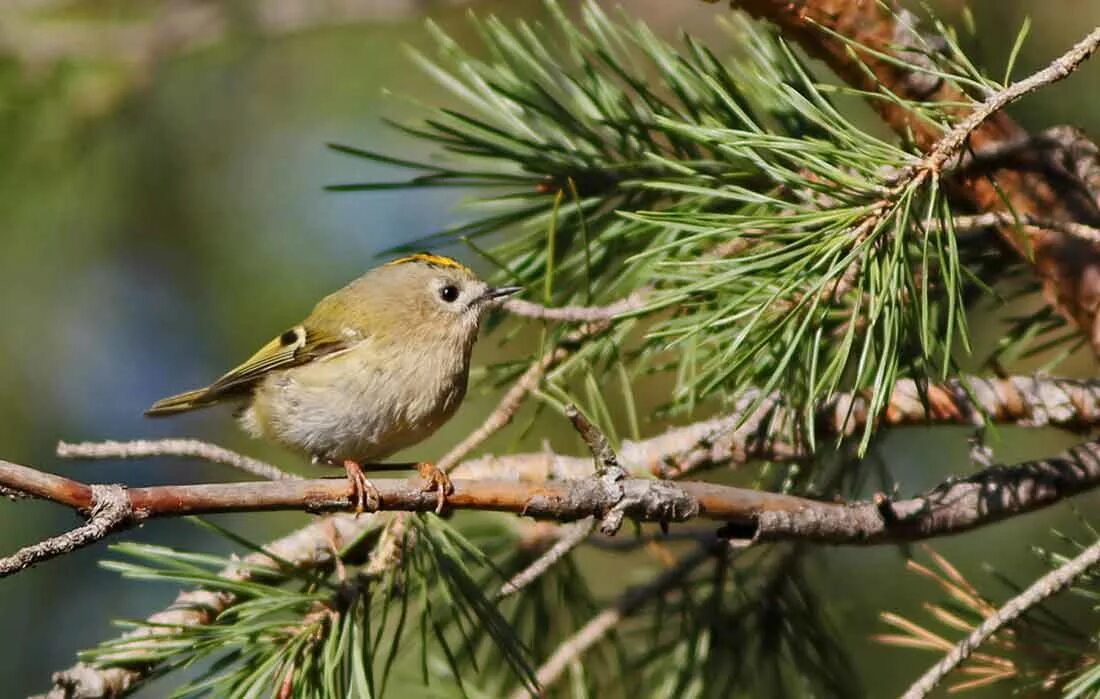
(748, 625)
(323, 633)
(781, 245)
(785, 246)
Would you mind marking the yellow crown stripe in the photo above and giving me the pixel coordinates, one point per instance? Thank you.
(430, 259)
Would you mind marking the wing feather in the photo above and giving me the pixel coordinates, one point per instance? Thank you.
(296, 346)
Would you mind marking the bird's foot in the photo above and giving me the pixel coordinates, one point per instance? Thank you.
(363, 492)
(436, 480)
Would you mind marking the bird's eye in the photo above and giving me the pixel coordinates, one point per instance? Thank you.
(449, 293)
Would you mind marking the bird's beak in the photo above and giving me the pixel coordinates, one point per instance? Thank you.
(501, 292)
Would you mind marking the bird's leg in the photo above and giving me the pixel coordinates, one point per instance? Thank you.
(362, 490)
(436, 480)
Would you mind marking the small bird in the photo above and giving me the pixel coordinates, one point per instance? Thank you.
(377, 366)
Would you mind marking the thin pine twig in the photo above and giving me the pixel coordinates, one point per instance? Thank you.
(600, 625)
(1050, 584)
(145, 448)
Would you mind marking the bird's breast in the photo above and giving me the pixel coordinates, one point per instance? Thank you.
(363, 404)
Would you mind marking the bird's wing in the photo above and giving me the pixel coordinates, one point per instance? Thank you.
(297, 346)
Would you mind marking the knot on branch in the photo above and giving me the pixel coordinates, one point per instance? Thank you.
(82, 681)
(110, 503)
(612, 480)
(658, 501)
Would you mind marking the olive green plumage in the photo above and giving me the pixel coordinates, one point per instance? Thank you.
(376, 366)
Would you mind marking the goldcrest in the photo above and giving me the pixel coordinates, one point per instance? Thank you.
(377, 366)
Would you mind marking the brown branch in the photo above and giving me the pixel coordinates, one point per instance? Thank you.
(1019, 400)
(109, 510)
(1066, 265)
(956, 506)
(1049, 584)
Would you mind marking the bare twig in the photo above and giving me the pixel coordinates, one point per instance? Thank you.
(1051, 583)
(952, 143)
(513, 399)
(109, 510)
(143, 448)
(1006, 218)
(579, 314)
(601, 624)
(572, 536)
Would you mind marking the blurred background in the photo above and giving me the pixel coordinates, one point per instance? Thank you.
(162, 215)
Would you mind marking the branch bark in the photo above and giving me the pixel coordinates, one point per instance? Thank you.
(769, 431)
(988, 496)
(1067, 265)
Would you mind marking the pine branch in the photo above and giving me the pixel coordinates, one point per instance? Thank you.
(1018, 400)
(864, 43)
(1049, 584)
(312, 546)
(600, 625)
(958, 505)
(769, 433)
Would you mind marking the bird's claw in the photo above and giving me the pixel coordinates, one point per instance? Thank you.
(363, 492)
(437, 480)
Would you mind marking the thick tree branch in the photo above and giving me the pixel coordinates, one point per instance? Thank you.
(1051, 583)
(1066, 264)
(988, 496)
(1019, 400)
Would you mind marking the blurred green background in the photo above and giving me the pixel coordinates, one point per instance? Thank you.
(162, 214)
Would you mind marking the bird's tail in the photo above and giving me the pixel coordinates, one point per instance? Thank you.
(191, 400)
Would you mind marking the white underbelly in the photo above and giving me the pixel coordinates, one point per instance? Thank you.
(364, 411)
